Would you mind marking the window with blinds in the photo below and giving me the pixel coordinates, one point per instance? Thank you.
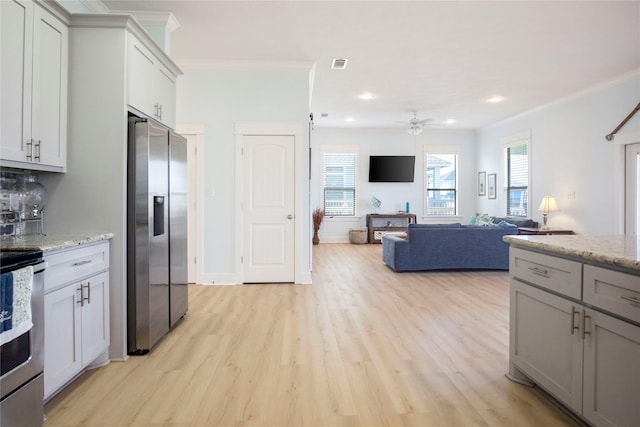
(517, 173)
(339, 183)
(441, 184)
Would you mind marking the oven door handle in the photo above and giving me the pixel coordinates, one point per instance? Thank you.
(40, 267)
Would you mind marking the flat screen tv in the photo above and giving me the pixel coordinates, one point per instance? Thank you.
(391, 168)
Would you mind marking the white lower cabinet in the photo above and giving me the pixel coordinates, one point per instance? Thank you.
(76, 313)
(62, 338)
(544, 343)
(611, 371)
(587, 359)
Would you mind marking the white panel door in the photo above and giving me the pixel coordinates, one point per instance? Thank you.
(268, 208)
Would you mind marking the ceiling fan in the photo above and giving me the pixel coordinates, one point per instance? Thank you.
(416, 125)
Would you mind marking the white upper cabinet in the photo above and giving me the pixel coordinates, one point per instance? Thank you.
(17, 46)
(141, 70)
(35, 46)
(151, 86)
(165, 89)
(50, 63)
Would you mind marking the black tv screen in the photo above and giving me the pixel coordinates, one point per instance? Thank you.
(391, 168)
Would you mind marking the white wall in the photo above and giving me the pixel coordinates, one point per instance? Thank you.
(91, 196)
(392, 195)
(569, 154)
(219, 99)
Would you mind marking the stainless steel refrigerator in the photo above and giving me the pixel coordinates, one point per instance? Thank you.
(156, 233)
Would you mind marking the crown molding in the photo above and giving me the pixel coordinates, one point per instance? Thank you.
(245, 65)
(95, 6)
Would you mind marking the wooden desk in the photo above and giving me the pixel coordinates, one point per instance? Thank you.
(539, 231)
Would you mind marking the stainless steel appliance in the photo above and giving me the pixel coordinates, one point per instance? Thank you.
(156, 233)
(22, 358)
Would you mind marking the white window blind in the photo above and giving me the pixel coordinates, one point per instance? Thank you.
(339, 183)
(517, 173)
(441, 178)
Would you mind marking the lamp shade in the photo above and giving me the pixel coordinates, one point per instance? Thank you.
(414, 130)
(548, 204)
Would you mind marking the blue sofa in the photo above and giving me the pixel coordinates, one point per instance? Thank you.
(448, 247)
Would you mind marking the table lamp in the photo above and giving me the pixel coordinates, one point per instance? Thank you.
(547, 205)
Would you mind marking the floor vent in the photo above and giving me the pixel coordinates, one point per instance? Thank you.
(339, 64)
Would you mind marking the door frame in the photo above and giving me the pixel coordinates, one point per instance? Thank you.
(632, 188)
(620, 142)
(194, 132)
(302, 227)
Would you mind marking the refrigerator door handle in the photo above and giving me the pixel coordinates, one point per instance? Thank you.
(158, 215)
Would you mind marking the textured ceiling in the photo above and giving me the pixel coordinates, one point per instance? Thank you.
(441, 59)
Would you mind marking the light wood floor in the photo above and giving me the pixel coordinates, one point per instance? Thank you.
(362, 346)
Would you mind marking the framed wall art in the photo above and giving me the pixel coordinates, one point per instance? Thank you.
(491, 185)
(482, 178)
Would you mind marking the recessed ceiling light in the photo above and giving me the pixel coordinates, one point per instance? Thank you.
(339, 63)
(449, 121)
(366, 96)
(350, 119)
(495, 99)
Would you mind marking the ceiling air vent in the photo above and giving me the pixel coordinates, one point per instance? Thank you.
(339, 64)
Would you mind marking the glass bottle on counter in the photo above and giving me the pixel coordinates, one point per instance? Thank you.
(33, 197)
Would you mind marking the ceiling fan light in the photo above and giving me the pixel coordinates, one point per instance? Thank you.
(414, 130)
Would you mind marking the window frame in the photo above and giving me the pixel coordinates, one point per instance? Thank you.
(339, 149)
(516, 140)
(435, 150)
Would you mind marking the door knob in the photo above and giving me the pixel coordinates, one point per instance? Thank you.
(289, 216)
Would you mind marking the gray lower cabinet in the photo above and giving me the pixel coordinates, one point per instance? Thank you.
(544, 345)
(585, 351)
(611, 371)
(76, 312)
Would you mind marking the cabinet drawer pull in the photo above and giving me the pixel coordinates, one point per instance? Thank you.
(79, 263)
(539, 271)
(88, 298)
(584, 325)
(30, 150)
(81, 301)
(573, 319)
(36, 156)
(632, 299)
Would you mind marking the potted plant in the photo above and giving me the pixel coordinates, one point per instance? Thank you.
(318, 216)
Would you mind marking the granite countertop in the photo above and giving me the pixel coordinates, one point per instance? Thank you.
(617, 250)
(50, 242)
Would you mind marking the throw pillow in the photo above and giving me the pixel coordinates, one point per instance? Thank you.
(484, 220)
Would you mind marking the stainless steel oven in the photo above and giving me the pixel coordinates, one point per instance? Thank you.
(22, 358)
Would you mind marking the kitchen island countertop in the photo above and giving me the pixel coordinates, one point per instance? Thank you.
(50, 242)
(617, 250)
